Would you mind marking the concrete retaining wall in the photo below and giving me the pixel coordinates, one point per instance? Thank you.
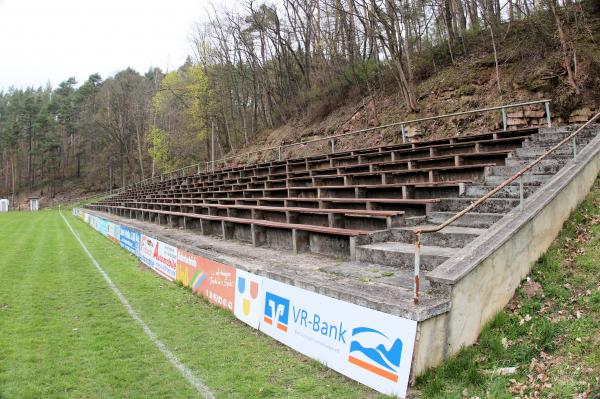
(483, 278)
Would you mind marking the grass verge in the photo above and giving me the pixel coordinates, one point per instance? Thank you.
(546, 342)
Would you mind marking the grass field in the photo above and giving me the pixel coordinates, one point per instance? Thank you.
(64, 333)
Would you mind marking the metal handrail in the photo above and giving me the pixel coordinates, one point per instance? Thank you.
(402, 125)
(518, 175)
(210, 165)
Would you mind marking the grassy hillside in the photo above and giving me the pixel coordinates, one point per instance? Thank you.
(530, 65)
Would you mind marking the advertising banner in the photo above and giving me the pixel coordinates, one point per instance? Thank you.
(248, 298)
(103, 227)
(165, 260)
(368, 346)
(213, 280)
(114, 232)
(130, 240)
(147, 248)
(86, 217)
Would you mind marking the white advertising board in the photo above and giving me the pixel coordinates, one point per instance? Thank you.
(248, 298)
(147, 247)
(165, 260)
(368, 346)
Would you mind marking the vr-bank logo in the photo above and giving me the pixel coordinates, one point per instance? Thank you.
(277, 310)
(368, 351)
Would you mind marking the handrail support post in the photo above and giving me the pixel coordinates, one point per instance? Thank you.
(279, 156)
(417, 266)
(574, 147)
(521, 194)
(332, 145)
(504, 119)
(403, 133)
(548, 117)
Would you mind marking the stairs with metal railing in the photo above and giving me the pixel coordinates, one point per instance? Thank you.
(395, 248)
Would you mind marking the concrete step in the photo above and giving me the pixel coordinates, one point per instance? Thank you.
(449, 237)
(581, 142)
(510, 191)
(541, 169)
(374, 273)
(527, 179)
(492, 205)
(402, 255)
(540, 150)
(470, 219)
(526, 160)
(561, 135)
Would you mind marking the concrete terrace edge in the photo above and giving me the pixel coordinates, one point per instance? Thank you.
(417, 313)
(471, 256)
(483, 277)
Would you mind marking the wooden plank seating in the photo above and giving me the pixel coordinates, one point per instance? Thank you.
(297, 237)
(328, 217)
(319, 203)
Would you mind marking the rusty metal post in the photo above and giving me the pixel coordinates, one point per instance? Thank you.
(417, 265)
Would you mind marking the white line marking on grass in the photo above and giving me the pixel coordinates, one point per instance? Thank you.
(192, 379)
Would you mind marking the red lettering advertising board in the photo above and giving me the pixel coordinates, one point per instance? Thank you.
(213, 280)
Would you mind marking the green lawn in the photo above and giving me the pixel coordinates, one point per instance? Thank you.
(550, 331)
(63, 332)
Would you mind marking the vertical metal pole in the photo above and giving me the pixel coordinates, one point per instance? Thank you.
(332, 141)
(574, 148)
(548, 117)
(504, 120)
(417, 266)
(206, 166)
(212, 147)
(521, 193)
(198, 166)
(403, 133)
(279, 156)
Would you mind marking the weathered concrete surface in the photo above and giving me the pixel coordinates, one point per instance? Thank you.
(348, 281)
(484, 275)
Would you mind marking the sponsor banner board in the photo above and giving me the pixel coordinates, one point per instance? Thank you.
(368, 346)
(130, 240)
(86, 217)
(165, 260)
(114, 232)
(213, 280)
(147, 248)
(103, 227)
(248, 298)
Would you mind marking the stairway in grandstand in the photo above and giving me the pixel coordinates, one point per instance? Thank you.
(359, 205)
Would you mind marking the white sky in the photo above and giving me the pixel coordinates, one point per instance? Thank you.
(51, 40)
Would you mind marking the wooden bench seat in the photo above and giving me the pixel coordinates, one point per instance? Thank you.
(332, 241)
